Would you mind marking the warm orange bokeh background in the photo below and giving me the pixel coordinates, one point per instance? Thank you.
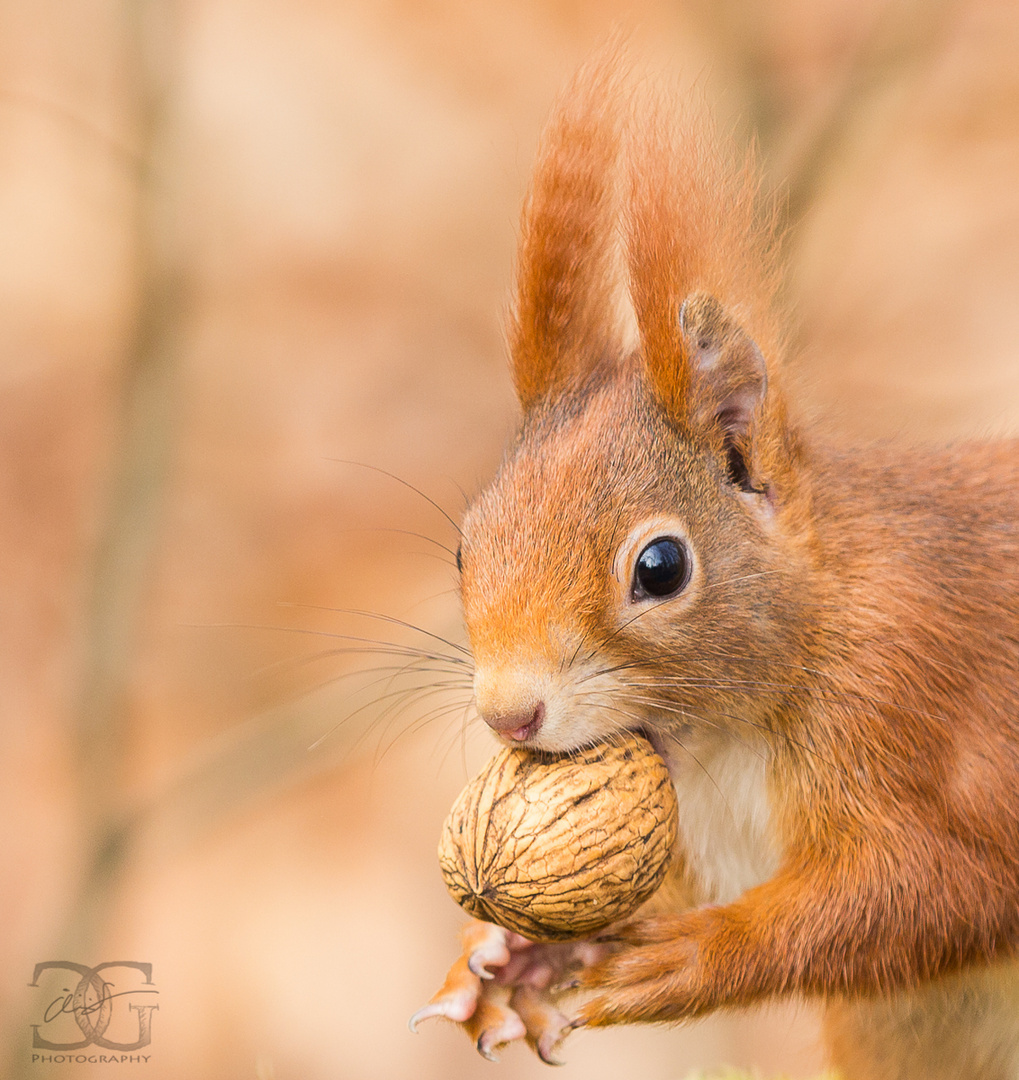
(246, 242)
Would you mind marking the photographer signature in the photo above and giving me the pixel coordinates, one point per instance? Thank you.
(65, 1003)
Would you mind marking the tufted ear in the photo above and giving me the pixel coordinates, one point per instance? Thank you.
(570, 294)
(729, 377)
(703, 268)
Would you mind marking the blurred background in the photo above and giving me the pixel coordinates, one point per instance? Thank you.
(255, 259)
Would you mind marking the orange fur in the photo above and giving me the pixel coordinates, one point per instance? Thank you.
(849, 618)
(562, 323)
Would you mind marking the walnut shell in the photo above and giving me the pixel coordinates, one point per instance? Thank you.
(559, 846)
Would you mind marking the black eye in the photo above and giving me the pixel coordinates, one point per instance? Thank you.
(662, 568)
(459, 558)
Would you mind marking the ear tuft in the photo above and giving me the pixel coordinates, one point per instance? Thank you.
(701, 247)
(570, 289)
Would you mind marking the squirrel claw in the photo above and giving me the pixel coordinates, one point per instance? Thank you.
(485, 945)
(507, 1027)
(547, 1045)
(456, 999)
(494, 1023)
(476, 963)
(503, 989)
(546, 1026)
(456, 1009)
(484, 1047)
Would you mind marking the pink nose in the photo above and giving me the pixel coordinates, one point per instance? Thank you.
(516, 725)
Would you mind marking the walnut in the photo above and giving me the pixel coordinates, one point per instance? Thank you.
(559, 846)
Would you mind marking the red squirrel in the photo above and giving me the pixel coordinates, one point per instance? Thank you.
(824, 645)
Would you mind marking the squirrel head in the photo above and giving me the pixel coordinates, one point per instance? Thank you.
(629, 565)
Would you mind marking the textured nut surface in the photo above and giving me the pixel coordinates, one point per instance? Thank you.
(557, 847)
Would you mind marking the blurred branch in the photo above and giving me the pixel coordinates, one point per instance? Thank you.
(263, 756)
(91, 134)
(125, 558)
(905, 35)
(125, 555)
(904, 39)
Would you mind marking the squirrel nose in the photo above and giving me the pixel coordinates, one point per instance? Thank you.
(517, 725)
(510, 703)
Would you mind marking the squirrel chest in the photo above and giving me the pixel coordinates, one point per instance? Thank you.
(726, 824)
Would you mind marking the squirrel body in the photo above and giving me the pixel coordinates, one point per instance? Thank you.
(823, 643)
(963, 1025)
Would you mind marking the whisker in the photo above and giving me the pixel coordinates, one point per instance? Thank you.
(671, 660)
(400, 701)
(629, 622)
(463, 494)
(377, 644)
(674, 738)
(434, 596)
(805, 688)
(390, 619)
(422, 721)
(376, 699)
(295, 662)
(399, 480)
(464, 721)
(403, 532)
(434, 555)
(854, 697)
(685, 711)
(467, 726)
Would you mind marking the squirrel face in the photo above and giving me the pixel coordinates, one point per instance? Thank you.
(609, 548)
(622, 570)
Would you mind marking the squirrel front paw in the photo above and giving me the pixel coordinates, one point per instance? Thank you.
(504, 988)
(652, 975)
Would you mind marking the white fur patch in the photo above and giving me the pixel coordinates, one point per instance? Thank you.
(725, 820)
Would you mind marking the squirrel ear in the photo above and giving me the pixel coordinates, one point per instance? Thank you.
(728, 374)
